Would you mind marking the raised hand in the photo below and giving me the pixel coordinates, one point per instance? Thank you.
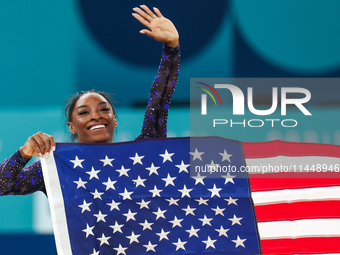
(38, 144)
(158, 27)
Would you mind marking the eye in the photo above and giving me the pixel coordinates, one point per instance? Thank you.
(83, 112)
(106, 109)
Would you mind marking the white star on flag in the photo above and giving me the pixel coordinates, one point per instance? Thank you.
(218, 210)
(239, 242)
(166, 156)
(163, 235)
(150, 247)
(137, 159)
(114, 205)
(146, 225)
(107, 161)
(185, 191)
(172, 201)
(202, 201)
(198, 178)
(88, 230)
(159, 213)
(139, 181)
(179, 244)
(126, 194)
(155, 192)
(230, 200)
(183, 167)
(225, 156)
(93, 173)
(77, 162)
(189, 210)
(117, 228)
(129, 215)
(143, 204)
(109, 184)
(133, 238)
(209, 243)
(100, 216)
(197, 155)
(80, 183)
(212, 167)
(229, 178)
(176, 222)
(120, 250)
(215, 191)
(103, 240)
(97, 194)
(192, 231)
(206, 221)
(123, 171)
(85, 206)
(152, 169)
(222, 231)
(169, 180)
(235, 220)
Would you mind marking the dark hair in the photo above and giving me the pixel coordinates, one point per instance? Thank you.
(72, 101)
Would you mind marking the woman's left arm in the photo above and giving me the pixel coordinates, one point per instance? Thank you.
(163, 30)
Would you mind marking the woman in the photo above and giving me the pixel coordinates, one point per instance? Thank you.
(91, 115)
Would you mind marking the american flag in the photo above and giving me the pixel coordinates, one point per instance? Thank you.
(157, 197)
(139, 198)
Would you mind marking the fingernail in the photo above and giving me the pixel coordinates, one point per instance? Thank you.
(53, 148)
(142, 32)
(41, 155)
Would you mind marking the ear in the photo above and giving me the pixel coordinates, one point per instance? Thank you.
(115, 122)
(71, 128)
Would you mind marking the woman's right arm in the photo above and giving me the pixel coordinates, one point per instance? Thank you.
(15, 178)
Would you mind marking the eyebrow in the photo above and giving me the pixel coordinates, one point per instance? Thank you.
(82, 106)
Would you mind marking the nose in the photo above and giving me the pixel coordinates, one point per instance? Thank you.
(95, 115)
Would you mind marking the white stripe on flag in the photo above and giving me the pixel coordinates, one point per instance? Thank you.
(294, 164)
(55, 198)
(299, 228)
(296, 195)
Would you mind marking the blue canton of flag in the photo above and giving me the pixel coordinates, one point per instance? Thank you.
(139, 198)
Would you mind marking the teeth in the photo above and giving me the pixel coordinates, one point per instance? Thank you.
(97, 126)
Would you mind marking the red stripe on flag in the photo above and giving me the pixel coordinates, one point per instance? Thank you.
(278, 181)
(311, 245)
(298, 210)
(275, 148)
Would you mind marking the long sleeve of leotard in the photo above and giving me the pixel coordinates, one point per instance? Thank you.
(16, 179)
(156, 113)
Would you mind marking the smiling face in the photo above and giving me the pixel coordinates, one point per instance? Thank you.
(93, 119)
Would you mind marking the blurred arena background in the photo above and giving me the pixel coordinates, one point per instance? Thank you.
(52, 49)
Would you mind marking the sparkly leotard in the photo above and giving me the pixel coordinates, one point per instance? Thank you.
(16, 179)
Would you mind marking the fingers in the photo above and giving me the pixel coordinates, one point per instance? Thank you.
(157, 11)
(41, 144)
(145, 15)
(148, 11)
(141, 20)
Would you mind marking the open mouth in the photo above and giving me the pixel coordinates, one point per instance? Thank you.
(96, 127)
